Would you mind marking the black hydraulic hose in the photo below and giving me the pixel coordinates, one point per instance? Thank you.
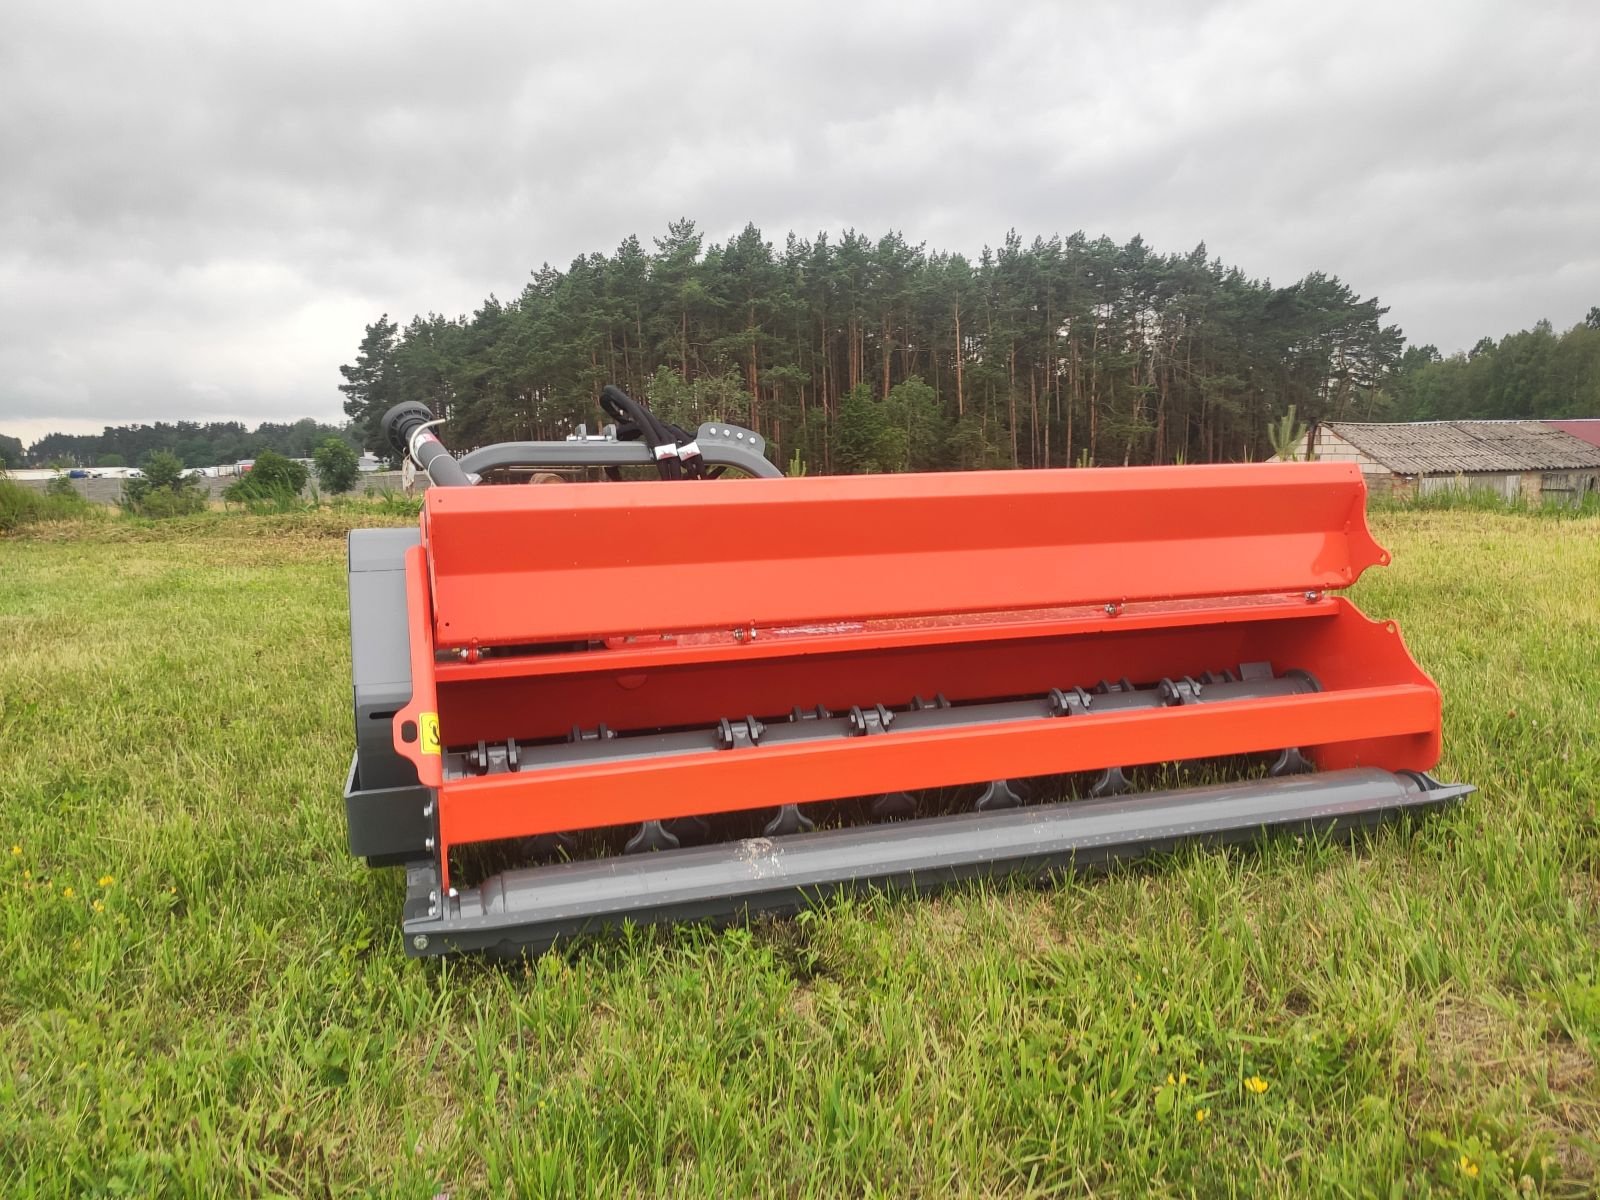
(637, 421)
(406, 427)
(617, 403)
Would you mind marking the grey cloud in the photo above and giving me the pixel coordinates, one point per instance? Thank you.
(203, 206)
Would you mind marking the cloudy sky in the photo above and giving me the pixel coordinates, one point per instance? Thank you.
(201, 206)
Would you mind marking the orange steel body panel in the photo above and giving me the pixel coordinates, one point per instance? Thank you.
(637, 790)
(642, 606)
(522, 565)
(1377, 708)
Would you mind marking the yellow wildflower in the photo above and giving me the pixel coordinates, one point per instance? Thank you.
(1257, 1084)
(1171, 1082)
(1178, 1081)
(1200, 1114)
(106, 881)
(68, 892)
(1468, 1167)
(16, 851)
(99, 906)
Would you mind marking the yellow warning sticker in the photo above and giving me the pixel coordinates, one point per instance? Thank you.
(428, 723)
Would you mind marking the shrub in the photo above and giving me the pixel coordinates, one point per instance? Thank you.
(274, 479)
(164, 503)
(336, 464)
(163, 489)
(387, 502)
(271, 503)
(21, 505)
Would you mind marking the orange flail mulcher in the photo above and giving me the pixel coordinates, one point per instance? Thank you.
(623, 701)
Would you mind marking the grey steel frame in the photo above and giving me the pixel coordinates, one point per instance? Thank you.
(534, 909)
(720, 445)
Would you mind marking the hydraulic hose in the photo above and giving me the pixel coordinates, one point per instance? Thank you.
(635, 421)
(407, 428)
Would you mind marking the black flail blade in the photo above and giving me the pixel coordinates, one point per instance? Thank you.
(652, 835)
(892, 806)
(789, 819)
(690, 831)
(1290, 762)
(997, 794)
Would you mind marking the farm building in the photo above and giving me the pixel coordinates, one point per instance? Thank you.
(1529, 460)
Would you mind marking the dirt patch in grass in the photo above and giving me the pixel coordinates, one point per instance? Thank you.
(1472, 1060)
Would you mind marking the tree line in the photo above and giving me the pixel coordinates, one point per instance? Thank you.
(192, 443)
(1534, 373)
(853, 353)
(857, 353)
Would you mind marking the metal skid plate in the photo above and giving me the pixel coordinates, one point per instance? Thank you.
(534, 909)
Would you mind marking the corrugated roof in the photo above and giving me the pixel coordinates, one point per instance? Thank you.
(1584, 428)
(1451, 447)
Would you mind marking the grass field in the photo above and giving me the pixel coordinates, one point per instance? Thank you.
(202, 995)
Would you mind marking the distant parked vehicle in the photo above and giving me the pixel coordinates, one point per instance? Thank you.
(244, 464)
(77, 473)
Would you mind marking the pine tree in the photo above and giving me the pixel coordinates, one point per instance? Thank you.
(370, 385)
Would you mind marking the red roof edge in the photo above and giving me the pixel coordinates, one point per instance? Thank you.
(1586, 429)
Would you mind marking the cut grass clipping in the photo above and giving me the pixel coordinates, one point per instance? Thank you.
(203, 995)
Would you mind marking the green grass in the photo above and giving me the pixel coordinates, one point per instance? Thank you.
(1482, 499)
(232, 1014)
